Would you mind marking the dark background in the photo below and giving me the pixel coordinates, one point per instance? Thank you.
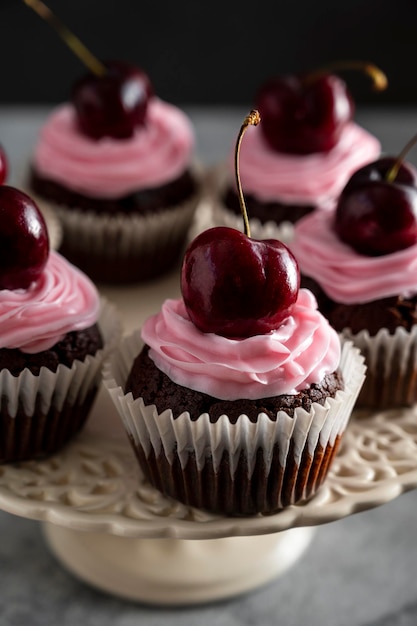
(214, 52)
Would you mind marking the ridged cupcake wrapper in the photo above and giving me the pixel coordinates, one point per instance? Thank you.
(296, 438)
(124, 235)
(42, 403)
(391, 359)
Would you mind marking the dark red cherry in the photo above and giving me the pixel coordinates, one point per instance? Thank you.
(375, 215)
(113, 104)
(24, 243)
(302, 115)
(3, 166)
(236, 286)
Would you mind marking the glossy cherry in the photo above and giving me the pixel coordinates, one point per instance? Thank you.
(24, 243)
(114, 103)
(306, 113)
(236, 286)
(301, 116)
(375, 215)
(3, 166)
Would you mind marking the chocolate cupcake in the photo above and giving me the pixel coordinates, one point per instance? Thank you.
(359, 260)
(54, 336)
(125, 187)
(239, 398)
(234, 453)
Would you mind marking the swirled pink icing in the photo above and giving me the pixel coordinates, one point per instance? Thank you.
(158, 152)
(313, 179)
(62, 300)
(300, 352)
(345, 275)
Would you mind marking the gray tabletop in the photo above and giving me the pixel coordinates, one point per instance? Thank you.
(361, 570)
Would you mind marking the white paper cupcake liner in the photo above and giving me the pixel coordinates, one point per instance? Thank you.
(41, 413)
(300, 433)
(391, 359)
(121, 235)
(65, 386)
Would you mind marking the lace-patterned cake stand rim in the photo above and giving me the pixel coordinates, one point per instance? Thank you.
(114, 531)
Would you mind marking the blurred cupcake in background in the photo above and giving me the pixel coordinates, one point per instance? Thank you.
(308, 147)
(360, 259)
(55, 333)
(117, 165)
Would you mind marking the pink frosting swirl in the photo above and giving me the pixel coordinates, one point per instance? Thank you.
(345, 275)
(300, 352)
(313, 179)
(62, 300)
(158, 152)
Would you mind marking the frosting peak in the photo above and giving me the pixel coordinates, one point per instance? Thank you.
(300, 352)
(158, 152)
(62, 300)
(313, 179)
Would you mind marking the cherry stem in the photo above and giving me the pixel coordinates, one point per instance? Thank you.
(391, 175)
(252, 119)
(379, 79)
(79, 49)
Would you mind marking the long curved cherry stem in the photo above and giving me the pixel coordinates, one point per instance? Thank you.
(391, 175)
(79, 49)
(379, 79)
(252, 119)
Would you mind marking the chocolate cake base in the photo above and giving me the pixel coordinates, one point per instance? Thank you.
(75, 345)
(263, 490)
(266, 211)
(148, 382)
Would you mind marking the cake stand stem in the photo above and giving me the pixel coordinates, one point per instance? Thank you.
(176, 571)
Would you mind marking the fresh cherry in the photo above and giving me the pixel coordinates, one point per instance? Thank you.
(112, 104)
(3, 166)
(236, 286)
(24, 243)
(302, 114)
(301, 117)
(376, 215)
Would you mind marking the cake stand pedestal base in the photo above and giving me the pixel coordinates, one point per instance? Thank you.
(176, 571)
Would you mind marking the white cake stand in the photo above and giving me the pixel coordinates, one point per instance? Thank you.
(114, 531)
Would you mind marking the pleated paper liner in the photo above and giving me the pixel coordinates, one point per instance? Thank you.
(391, 377)
(235, 469)
(41, 413)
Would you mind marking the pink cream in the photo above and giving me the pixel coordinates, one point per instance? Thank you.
(313, 179)
(300, 352)
(110, 168)
(345, 275)
(62, 300)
